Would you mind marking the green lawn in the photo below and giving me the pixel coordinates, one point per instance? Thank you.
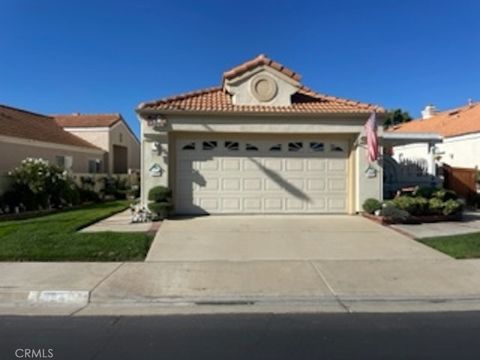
(55, 238)
(458, 246)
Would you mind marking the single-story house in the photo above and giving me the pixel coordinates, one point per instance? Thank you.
(26, 134)
(109, 132)
(460, 129)
(261, 142)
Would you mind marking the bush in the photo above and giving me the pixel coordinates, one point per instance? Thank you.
(162, 201)
(87, 195)
(425, 191)
(412, 205)
(445, 195)
(161, 209)
(160, 194)
(435, 206)
(371, 205)
(452, 207)
(394, 214)
(37, 184)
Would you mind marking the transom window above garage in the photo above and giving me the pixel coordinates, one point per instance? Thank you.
(209, 145)
(251, 147)
(232, 145)
(316, 146)
(295, 146)
(276, 147)
(336, 148)
(189, 146)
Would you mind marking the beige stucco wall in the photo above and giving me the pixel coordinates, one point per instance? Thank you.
(129, 141)
(241, 88)
(15, 150)
(362, 186)
(105, 138)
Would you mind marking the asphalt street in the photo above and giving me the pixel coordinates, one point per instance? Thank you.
(253, 336)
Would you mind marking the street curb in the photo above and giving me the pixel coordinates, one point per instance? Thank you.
(45, 297)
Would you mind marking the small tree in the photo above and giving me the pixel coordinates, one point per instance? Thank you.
(161, 198)
(396, 116)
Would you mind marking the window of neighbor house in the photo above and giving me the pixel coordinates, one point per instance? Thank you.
(120, 137)
(94, 166)
(65, 162)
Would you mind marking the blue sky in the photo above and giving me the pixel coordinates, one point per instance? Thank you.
(108, 56)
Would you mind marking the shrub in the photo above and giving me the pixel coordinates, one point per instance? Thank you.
(425, 191)
(40, 185)
(371, 205)
(161, 209)
(87, 195)
(160, 194)
(435, 206)
(412, 205)
(445, 195)
(162, 201)
(451, 207)
(394, 214)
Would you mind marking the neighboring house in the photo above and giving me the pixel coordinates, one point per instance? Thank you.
(26, 134)
(109, 132)
(460, 129)
(259, 143)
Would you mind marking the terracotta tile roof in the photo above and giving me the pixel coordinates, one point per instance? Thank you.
(261, 59)
(27, 125)
(87, 120)
(461, 121)
(216, 100)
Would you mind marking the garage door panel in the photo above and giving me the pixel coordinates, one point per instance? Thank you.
(294, 164)
(231, 164)
(273, 204)
(231, 184)
(231, 204)
(316, 165)
(253, 204)
(273, 176)
(337, 184)
(316, 184)
(252, 184)
(273, 164)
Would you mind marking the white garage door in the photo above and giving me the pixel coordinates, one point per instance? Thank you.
(260, 175)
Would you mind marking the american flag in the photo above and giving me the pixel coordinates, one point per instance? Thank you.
(372, 138)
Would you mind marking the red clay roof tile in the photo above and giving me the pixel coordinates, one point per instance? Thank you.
(455, 122)
(27, 125)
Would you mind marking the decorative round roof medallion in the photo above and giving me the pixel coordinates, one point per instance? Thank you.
(264, 88)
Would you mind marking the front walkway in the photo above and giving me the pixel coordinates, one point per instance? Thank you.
(311, 237)
(469, 224)
(120, 222)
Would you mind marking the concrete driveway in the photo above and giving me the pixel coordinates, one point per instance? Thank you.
(311, 237)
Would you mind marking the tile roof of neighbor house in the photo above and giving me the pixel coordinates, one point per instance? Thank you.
(455, 122)
(87, 120)
(27, 125)
(216, 99)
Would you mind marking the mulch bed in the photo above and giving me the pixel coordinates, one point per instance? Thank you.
(415, 219)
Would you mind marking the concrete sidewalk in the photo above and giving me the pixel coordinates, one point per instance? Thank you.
(121, 222)
(245, 286)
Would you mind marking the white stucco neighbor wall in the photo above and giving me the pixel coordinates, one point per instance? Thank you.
(363, 186)
(458, 151)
